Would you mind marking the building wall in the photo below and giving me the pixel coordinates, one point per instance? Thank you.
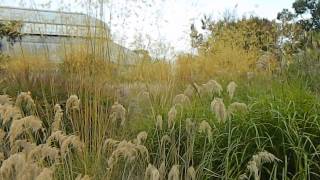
(56, 47)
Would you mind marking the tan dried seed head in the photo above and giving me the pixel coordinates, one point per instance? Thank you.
(172, 114)
(231, 89)
(219, 109)
(174, 173)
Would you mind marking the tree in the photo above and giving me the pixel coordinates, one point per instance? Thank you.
(302, 9)
(301, 26)
(285, 16)
(247, 33)
(11, 30)
(291, 34)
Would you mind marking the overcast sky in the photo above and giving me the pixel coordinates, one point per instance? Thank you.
(166, 21)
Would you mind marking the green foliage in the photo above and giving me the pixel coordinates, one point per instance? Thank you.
(283, 119)
(303, 9)
(247, 33)
(11, 30)
(312, 7)
(306, 66)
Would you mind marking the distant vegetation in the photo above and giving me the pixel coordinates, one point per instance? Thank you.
(11, 31)
(245, 106)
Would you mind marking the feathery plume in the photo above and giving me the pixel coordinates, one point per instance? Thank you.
(71, 143)
(237, 107)
(125, 150)
(205, 89)
(181, 99)
(198, 89)
(25, 101)
(110, 144)
(191, 173)
(211, 87)
(73, 103)
(128, 151)
(118, 112)
(2, 135)
(190, 126)
(243, 177)
(231, 89)
(44, 152)
(189, 91)
(18, 127)
(206, 129)
(12, 165)
(29, 171)
(22, 146)
(2, 157)
(218, 107)
(162, 170)
(159, 123)
(46, 174)
(141, 137)
(264, 157)
(257, 162)
(143, 152)
(17, 167)
(165, 139)
(151, 173)
(253, 169)
(174, 173)
(9, 113)
(56, 137)
(216, 87)
(85, 177)
(5, 99)
(56, 125)
(172, 114)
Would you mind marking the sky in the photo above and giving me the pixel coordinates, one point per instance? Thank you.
(151, 24)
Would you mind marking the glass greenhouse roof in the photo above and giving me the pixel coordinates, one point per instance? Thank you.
(53, 22)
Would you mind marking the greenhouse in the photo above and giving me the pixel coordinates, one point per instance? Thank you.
(50, 32)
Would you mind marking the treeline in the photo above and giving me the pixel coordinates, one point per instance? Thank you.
(250, 44)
